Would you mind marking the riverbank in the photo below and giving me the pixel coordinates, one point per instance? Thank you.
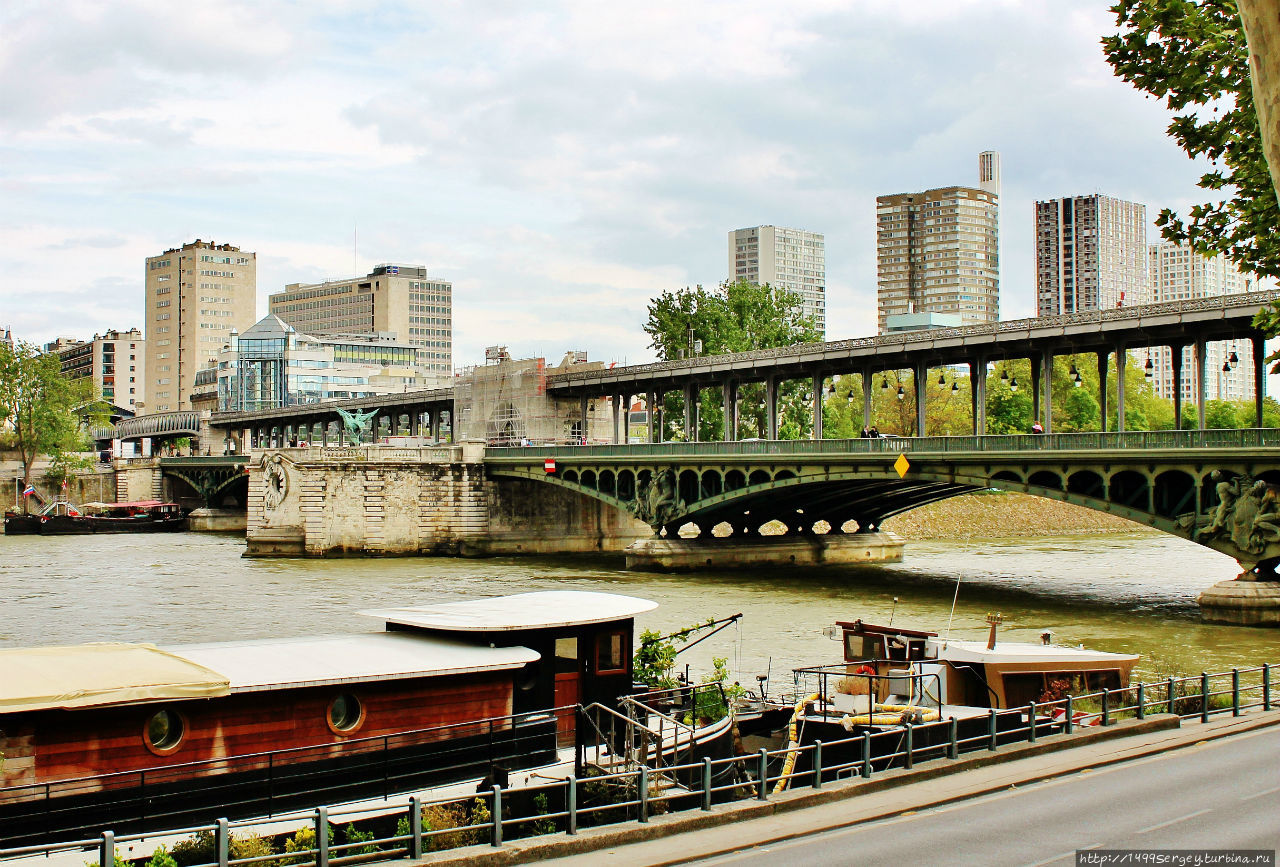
(1000, 514)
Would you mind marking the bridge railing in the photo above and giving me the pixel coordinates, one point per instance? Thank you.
(1089, 441)
(562, 806)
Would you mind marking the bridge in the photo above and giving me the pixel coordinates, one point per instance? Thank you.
(1169, 480)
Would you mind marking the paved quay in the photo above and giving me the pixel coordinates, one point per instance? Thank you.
(729, 828)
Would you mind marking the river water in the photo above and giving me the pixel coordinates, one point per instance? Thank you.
(1130, 592)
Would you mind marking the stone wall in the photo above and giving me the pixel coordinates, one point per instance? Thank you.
(372, 500)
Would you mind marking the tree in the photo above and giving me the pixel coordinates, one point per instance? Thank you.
(735, 317)
(38, 402)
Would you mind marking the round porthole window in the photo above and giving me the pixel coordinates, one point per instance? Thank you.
(345, 713)
(164, 731)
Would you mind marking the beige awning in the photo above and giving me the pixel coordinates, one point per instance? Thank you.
(91, 675)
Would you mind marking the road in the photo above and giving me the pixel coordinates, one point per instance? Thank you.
(1224, 794)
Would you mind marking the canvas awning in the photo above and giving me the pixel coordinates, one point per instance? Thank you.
(92, 675)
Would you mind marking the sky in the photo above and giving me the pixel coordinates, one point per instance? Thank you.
(561, 163)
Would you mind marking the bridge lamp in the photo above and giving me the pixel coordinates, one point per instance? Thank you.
(1149, 368)
(955, 386)
(1226, 367)
(1233, 359)
(832, 389)
(1073, 371)
(1013, 384)
(902, 395)
(884, 383)
(1004, 375)
(1077, 382)
(942, 380)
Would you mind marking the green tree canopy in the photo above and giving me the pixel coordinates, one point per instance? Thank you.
(38, 402)
(734, 317)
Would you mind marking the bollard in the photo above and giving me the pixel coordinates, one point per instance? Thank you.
(571, 797)
(953, 738)
(991, 730)
(1173, 694)
(1204, 696)
(1235, 692)
(222, 837)
(496, 842)
(1031, 722)
(910, 739)
(763, 773)
(1266, 686)
(107, 850)
(414, 849)
(1142, 701)
(817, 764)
(866, 755)
(1069, 722)
(1106, 707)
(706, 782)
(642, 783)
(322, 837)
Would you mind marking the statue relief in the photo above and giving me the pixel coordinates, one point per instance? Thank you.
(1247, 515)
(657, 501)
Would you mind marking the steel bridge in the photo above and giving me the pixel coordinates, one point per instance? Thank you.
(1163, 479)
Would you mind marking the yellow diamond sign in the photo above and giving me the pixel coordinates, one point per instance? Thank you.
(902, 465)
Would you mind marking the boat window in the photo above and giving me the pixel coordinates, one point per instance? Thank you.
(611, 652)
(164, 731)
(566, 654)
(346, 713)
(858, 647)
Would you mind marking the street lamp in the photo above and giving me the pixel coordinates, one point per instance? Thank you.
(1149, 367)
(942, 380)
(902, 395)
(1004, 375)
(1013, 384)
(884, 383)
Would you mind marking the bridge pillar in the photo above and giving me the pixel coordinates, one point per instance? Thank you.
(817, 405)
(691, 412)
(1122, 359)
(652, 405)
(921, 383)
(978, 394)
(584, 433)
(866, 396)
(1047, 379)
(1175, 363)
(617, 419)
(1259, 376)
(1102, 386)
(771, 405)
(729, 394)
(1200, 382)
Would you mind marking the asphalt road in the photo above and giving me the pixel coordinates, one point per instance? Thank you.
(1223, 794)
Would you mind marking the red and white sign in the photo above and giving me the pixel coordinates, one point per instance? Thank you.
(549, 465)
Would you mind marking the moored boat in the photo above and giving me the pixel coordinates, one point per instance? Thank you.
(65, 519)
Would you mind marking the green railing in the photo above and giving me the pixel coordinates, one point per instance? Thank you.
(1247, 438)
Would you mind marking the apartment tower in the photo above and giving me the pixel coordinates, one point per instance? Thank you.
(195, 296)
(790, 259)
(391, 299)
(116, 362)
(1178, 273)
(1091, 254)
(938, 252)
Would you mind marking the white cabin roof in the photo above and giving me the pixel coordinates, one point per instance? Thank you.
(539, 610)
(1015, 651)
(280, 663)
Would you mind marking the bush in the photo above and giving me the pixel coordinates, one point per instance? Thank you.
(162, 858)
(203, 849)
(354, 836)
(303, 840)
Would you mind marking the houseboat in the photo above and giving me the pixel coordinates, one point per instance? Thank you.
(64, 519)
(138, 737)
(890, 676)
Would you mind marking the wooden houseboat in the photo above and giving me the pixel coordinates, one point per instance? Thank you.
(64, 519)
(138, 737)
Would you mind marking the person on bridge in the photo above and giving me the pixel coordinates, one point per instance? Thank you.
(1037, 428)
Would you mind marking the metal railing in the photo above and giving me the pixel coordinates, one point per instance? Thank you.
(566, 805)
(1063, 442)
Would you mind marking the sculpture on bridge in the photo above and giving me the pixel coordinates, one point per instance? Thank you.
(357, 423)
(657, 501)
(1246, 521)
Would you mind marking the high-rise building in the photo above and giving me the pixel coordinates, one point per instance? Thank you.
(1178, 273)
(791, 259)
(395, 300)
(939, 251)
(1091, 254)
(195, 296)
(115, 362)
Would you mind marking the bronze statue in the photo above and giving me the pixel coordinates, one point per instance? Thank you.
(657, 501)
(356, 423)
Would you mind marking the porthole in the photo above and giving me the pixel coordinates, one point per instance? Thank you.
(346, 713)
(163, 732)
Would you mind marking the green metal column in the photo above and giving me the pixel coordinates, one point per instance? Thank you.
(771, 405)
(1102, 387)
(1200, 382)
(1047, 380)
(1122, 360)
(690, 412)
(921, 377)
(652, 406)
(866, 396)
(1175, 364)
(817, 405)
(1259, 375)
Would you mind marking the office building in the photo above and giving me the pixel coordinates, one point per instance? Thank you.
(115, 362)
(791, 259)
(391, 299)
(1091, 254)
(938, 251)
(272, 365)
(195, 296)
(1178, 273)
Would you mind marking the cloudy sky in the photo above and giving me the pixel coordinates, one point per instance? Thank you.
(560, 163)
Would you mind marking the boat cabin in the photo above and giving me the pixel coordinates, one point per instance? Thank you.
(447, 692)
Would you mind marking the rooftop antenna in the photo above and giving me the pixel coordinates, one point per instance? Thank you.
(953, 612)
(893, 609)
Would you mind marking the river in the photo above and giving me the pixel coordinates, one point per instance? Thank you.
(1131, 592)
